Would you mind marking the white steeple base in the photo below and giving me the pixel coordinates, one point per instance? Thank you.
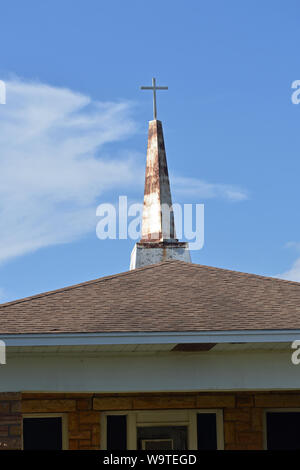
(147, 253)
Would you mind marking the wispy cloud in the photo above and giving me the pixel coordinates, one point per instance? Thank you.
(53, 165)
(196, 188)
(295, 245)
(2, 294)
(292, 274)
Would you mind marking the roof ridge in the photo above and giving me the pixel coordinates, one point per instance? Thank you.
(143, 268)
(81, 284)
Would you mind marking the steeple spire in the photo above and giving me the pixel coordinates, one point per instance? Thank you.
(158, 217)
(158, 242)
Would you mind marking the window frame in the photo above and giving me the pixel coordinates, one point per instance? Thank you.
(171, 419)
(274, 410)
(64, 425)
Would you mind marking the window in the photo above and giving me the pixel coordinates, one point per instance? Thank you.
(282, 429)
(162, 437)
(162, 430)
(207, 431)
(116, 432)
(44, 432)
(157, 444)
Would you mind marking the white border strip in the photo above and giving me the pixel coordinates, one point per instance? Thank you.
(82, 339)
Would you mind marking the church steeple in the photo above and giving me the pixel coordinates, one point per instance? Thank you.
(158, 242)
(158, 217)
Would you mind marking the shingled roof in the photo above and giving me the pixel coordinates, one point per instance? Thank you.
(169, 296)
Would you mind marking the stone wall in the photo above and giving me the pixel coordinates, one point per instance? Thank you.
(10, 421)
(243, 422)
(83, 421)
(243, 413)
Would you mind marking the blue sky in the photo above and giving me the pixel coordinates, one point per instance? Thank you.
(73, 132)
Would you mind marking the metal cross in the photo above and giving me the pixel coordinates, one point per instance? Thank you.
(154, 88)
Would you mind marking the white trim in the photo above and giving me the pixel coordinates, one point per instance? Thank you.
(192, 434)
(64, 425)
(171, 418)
(71, 339)
(273, 410)
(131, 431)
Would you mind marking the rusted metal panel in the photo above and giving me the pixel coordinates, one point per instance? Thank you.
(158, 242)
(158, 217)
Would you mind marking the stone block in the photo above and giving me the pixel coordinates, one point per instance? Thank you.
(48, 406)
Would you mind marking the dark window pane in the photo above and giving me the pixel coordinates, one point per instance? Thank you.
(116, 432)
(283, 430)
(42, 433)
(162, 437)
(207, 431)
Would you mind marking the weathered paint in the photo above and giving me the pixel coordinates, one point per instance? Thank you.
(144, 254)
(158, 241)
(157, 192)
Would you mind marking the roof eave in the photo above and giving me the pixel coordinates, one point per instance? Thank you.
(80, 339)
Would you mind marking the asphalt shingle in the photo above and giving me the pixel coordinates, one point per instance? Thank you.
(169, 296)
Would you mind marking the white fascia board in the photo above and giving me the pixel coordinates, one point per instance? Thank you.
(82, 339)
